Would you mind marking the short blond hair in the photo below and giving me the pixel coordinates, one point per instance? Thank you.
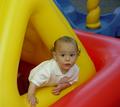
(66, 39)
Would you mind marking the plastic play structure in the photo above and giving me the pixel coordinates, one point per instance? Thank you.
(107, 24)
(31, 18)
(27, 32)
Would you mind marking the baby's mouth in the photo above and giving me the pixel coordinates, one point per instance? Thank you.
(68, 65)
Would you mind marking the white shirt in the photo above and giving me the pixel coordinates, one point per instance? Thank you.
(48, 73)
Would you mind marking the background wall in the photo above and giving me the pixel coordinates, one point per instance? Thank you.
(106, 5)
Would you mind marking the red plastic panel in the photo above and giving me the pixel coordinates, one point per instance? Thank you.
(104, 89)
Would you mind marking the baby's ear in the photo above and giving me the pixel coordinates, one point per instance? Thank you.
(54, 55)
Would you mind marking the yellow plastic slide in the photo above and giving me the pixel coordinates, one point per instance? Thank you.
(28, 29)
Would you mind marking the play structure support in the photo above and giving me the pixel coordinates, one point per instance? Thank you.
(93, 17)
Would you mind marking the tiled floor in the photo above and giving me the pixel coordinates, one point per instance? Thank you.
(106, 5)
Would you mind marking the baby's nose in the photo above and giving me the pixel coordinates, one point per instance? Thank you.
(67, 58)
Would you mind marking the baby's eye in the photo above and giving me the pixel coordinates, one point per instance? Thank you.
(62, 55)
(72, 55)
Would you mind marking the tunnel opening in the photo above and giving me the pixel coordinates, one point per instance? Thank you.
(33, 52)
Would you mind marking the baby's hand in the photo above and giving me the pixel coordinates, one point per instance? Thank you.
(60, 87)
(57, 89)
(32, 100)
(63, 80)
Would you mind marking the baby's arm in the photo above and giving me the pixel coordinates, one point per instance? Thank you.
(31, 94)
(60, 87)
(66, 81)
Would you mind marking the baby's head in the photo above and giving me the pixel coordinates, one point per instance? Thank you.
(65, 52)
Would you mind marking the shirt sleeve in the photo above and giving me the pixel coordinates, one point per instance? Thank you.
(74, 74)
(39, 76)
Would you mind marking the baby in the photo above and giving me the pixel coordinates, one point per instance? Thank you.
(60, 71)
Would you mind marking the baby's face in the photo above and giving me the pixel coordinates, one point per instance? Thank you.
(65, 55)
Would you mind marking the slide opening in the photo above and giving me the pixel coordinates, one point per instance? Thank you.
(33, 52)
(23, 73)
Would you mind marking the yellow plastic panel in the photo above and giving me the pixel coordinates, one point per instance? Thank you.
(49, 24)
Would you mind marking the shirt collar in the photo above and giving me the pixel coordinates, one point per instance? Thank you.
(57, 70)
